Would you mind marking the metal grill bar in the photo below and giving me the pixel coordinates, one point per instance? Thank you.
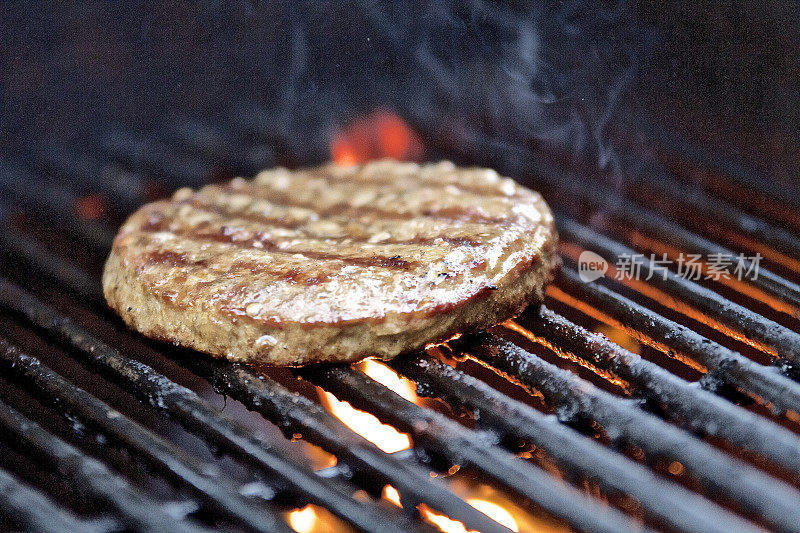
(89, 475)
(690, 198)
(204, 479)
(683, 402)
(727, 216)
(603, 199)
(127, 189)
(36, 512)
(723, 366)
(189, 410)
(143, 154)
(461, 446)
(678, 507)
(671, 141)
(294, 413)
(34, 254)
(575, 399)
(54, 199)
(704, 304)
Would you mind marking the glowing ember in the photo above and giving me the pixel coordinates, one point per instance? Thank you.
(90, 207)
(619, 337)
(303, 520)
(382, 134)
(342, 153)
(367, 425)
(675, 468)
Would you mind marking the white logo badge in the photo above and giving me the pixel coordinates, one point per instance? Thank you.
(591, 266)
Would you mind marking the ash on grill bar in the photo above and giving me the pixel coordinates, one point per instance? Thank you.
(657, 388)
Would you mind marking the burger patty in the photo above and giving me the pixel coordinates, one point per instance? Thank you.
(332, 263)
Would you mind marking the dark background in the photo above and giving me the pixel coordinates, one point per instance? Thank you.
(548, 75)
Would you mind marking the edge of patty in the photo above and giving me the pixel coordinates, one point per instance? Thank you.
(292, 344)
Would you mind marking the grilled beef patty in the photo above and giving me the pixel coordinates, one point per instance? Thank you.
(332, 263)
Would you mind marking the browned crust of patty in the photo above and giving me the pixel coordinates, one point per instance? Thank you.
(184, 270)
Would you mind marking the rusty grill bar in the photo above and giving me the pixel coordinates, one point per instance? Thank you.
(666, 452)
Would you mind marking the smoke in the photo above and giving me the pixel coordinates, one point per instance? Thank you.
(551, 76)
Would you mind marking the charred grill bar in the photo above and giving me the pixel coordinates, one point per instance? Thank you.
(715, 491)
(671, 503)
(697, 301)
(681, 401)
(575, 401)
(135, 509)
(673, 234)
(722, 365)
(203, 478)
(39, 512)
(188, 409)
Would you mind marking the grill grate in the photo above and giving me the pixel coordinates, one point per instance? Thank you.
(38, 511)
(738, 466)
(204, 478)
(89, 475)
(575, 400)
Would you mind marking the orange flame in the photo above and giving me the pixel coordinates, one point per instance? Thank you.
(494, 511)
(314, 519)
(381, 134)
(365, 424)
(303, 520)
(482, 497)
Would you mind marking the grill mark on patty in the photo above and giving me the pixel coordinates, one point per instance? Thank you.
(170, 258)
(280, 222)
(184, 297)
(292, 275)
(176, 259)
(304, 232)
(160, 223)
(452, 213)
(267, 245)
